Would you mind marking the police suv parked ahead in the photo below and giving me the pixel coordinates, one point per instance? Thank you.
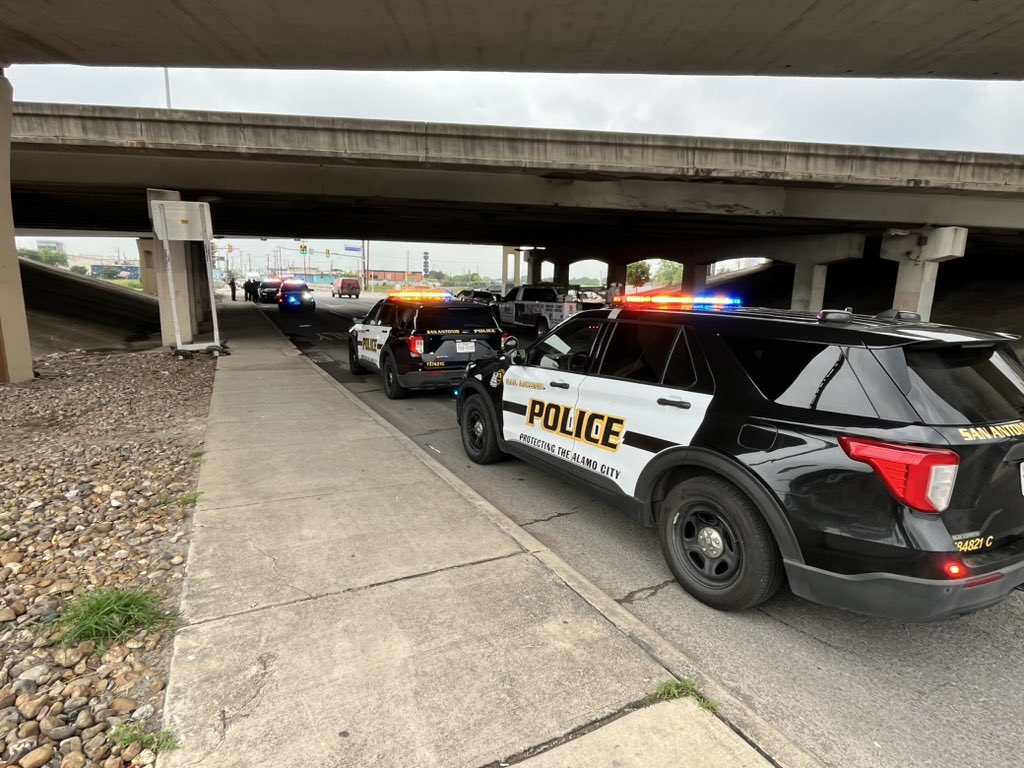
(422, 340)
(875, 462)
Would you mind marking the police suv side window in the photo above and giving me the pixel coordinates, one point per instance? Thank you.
(388, 315)
(568, 348)
(638, 352)
(802, 374)
(373, 315)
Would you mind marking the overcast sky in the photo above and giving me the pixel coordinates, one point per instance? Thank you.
(934, 114)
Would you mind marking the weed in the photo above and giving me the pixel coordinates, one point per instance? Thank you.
(108, 614)
(163, 499)
(677, 689)
(189, 498)
(196, 455)
(126, 734)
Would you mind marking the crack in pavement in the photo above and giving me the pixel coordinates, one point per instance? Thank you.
(227, 720)
(572, 511)
(276, 570)
(638, 594)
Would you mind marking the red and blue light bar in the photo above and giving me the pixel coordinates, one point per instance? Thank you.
(422, 295)
(676, 301)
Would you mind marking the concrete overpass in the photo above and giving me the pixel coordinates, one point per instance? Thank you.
(613, 197)
(859, 38)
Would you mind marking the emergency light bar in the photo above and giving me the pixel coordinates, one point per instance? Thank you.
(676, 301)
(421, 295)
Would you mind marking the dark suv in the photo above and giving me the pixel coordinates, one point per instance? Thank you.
(876, 463)
(422, 340)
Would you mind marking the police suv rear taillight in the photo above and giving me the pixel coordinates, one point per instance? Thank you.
(415, 344)
(921, 478)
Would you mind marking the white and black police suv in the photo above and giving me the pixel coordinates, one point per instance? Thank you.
(422, 340)
(876, 463)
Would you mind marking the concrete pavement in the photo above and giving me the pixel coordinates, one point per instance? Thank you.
(349, 602)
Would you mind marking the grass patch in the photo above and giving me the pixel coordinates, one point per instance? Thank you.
(189, 498)
(196, 455)
(126, 734)
(679, 689)
(107, 615)
(164, 499)
(135, 285)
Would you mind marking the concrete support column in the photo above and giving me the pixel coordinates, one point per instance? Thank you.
(534, 265)
(517, 268)
(919, 255)
(695, 277)
(809, 286)
(15, 351)
(616, 278)
(508, 252)
(182, 267)
(561, 271)
(148, 250)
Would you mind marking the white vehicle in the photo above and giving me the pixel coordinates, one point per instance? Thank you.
(540, 306)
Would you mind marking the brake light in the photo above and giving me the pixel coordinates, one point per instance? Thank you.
(954, 569)
(415, 344)
(504, 337)
(921, 478)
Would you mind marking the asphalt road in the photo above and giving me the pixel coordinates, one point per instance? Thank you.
(851, 690)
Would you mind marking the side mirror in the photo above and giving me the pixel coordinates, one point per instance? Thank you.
(510, 343)
(517, 357)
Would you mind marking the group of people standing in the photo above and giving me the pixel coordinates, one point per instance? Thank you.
(250, 286)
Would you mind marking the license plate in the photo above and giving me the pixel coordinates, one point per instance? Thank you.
(465, 346)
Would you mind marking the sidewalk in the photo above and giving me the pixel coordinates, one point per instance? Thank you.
(349, 602)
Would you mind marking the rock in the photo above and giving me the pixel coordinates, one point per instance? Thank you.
(21, 747)
(28, 728)
(92, 732)
(72, 744)
(68, 657)
(37, 757)
(25, 686)
(62, 733)
(113, 762)
(123, 705)
(73, 760)
(144, 712)
(7, 697)
(11, 557)
(131, 751)
(145, 757)
(97, 747)
(40, 673)
(7, 614)
(85, 719)
(29, 705)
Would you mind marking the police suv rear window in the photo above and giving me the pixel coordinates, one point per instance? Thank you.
(467, 319)
(802, 374)
(964, 385)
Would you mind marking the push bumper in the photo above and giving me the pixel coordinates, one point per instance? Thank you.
(904, 598)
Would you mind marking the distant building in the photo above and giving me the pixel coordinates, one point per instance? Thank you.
(50, 246)
(395, 276)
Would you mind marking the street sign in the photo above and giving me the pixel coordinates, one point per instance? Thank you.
(354, 248)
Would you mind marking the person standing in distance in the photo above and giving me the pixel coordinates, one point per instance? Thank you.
(231, 283)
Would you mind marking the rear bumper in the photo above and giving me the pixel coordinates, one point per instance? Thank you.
(904, 598)
(440, 379)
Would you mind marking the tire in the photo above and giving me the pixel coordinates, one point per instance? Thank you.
(353, 361)
(479, 432)
(542, 326)
(392, 386)
(705, 515)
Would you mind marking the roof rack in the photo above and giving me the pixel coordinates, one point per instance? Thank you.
(899, 316)
(836, 315)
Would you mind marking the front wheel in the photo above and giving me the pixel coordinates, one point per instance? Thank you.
(392, 386)
(353, 361)
(479, 433)
(717, 544)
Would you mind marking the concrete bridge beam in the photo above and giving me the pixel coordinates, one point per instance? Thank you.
(695, 277)
(919, 254)
(15, 350)
(148, 251)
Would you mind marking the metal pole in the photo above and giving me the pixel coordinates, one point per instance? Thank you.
(167, 87)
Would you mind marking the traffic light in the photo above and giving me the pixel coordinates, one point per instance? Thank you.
(303, 249)
(230, 247)
(328, 253)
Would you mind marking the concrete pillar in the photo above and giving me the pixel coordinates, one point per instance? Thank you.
(517, 268)
(508, 252)
(534, 265)
(148, 250)
(183, 271)
(561, 271)
(695, 277)
(616, 278)
(15, 351)
(919, 254)
(809, 286)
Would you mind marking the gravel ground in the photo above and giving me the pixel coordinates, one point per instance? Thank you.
(95, 459)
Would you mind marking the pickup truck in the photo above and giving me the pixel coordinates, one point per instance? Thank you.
(543, 306)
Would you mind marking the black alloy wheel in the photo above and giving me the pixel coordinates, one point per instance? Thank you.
(392, 386)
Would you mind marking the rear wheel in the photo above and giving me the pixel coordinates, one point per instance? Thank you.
(392, 386)
(479, 432)
(353, 361)
(718, 546)
(542, 326)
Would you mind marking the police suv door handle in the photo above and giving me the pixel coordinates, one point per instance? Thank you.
(559, 384)
(673, 402)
